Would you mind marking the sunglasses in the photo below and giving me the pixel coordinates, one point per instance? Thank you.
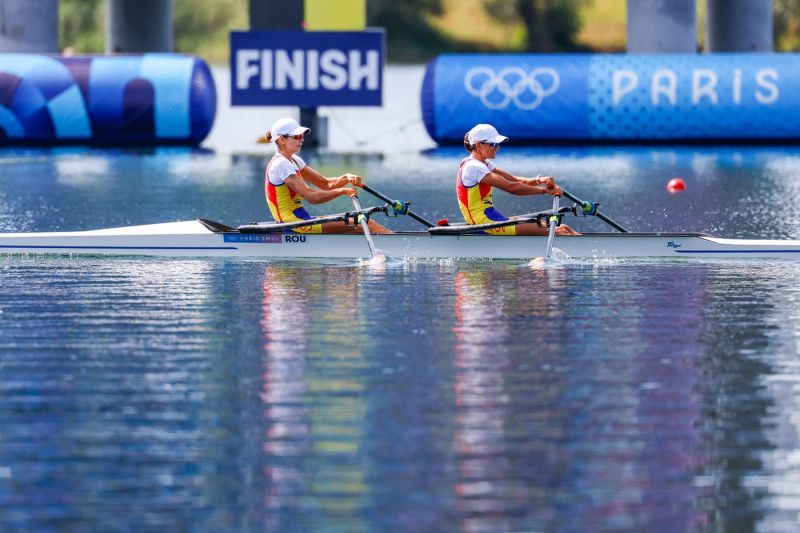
(493, 145)
(298, 137)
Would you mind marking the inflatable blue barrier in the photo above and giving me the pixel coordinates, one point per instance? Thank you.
(151, 99)
(615, 97)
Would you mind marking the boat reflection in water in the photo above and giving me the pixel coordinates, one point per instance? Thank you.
(314, 408)
(545, 439)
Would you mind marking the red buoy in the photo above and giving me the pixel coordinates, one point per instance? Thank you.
(676, 185)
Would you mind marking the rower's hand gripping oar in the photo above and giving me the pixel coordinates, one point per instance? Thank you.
(398, 206)
(361, 217)
(590, 208)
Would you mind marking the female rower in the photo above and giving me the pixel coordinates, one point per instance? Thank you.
(477, 175)
(288, 178)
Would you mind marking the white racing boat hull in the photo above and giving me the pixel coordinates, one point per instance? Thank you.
(194, 239)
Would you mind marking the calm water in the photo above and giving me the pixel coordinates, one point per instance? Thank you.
(145, 394)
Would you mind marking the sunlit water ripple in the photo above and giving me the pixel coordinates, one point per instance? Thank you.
(147, 394)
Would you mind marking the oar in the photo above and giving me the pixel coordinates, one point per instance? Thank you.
(552, 222)
(398, 206)
(591, 209)
(374, 257)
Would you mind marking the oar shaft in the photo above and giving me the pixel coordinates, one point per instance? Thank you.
(599, 215)
(362, 219)
(572, 197)
(388, 200)
(610, 222)
(553, 225)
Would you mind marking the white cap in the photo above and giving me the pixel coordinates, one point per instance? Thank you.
(287, 126)
(485, 133)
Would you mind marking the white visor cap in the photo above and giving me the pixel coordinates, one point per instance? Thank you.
(485, 133)
(287, 126)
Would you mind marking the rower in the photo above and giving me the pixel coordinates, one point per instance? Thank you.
(477, 175)
(288, 182)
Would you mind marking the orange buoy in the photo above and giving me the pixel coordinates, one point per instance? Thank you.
(676, 185)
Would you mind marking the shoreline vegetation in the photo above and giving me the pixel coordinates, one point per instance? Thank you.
(418, 30)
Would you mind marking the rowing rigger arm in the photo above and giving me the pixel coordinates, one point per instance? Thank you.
(350, 218)
(535, 218)
(580, 208)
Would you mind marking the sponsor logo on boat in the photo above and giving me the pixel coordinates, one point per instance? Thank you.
(268, 238)
(673, 244)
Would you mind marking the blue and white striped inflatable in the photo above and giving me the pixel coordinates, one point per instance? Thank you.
(615, 97)
(150, 99)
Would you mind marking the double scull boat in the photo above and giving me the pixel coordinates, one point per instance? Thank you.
(205, 238)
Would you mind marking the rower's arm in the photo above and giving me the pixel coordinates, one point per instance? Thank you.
(317, 196)
(517, 188)
(317, 179)
(547, 181)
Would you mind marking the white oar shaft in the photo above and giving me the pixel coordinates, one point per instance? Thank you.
(552, 228)
(362, 219)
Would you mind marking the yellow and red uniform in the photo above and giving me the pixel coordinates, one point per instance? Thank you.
(286, 204)
(475, 198)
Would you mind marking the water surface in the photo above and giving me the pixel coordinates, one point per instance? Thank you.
(146, 394)
(153, 394)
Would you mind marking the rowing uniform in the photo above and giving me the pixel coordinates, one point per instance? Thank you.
(286, 204)
(475, 198)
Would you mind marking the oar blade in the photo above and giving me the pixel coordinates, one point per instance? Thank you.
(374, 261)
(557, 260)
(539, 262)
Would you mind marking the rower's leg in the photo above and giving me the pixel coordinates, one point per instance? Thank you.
(563, 229)
(341, 227)
(533, 229)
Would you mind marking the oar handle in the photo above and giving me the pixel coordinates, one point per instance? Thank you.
(599, 215)
(398, 206)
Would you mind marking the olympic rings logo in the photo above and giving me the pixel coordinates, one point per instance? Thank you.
(512, 84)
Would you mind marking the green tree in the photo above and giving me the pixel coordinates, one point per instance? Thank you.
(400, 14)
(786, 25)
(81, 25)
(199, 26)
(203, 28)
(552, 25)
(409, 36)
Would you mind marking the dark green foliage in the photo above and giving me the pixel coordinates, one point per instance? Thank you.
(409, 36)
(785, 25)
(202, 26)
(81, 25)
(552, 25)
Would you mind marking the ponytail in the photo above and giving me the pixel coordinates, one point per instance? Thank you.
(467, 146)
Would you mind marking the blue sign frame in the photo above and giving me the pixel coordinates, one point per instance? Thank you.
(307, 69)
